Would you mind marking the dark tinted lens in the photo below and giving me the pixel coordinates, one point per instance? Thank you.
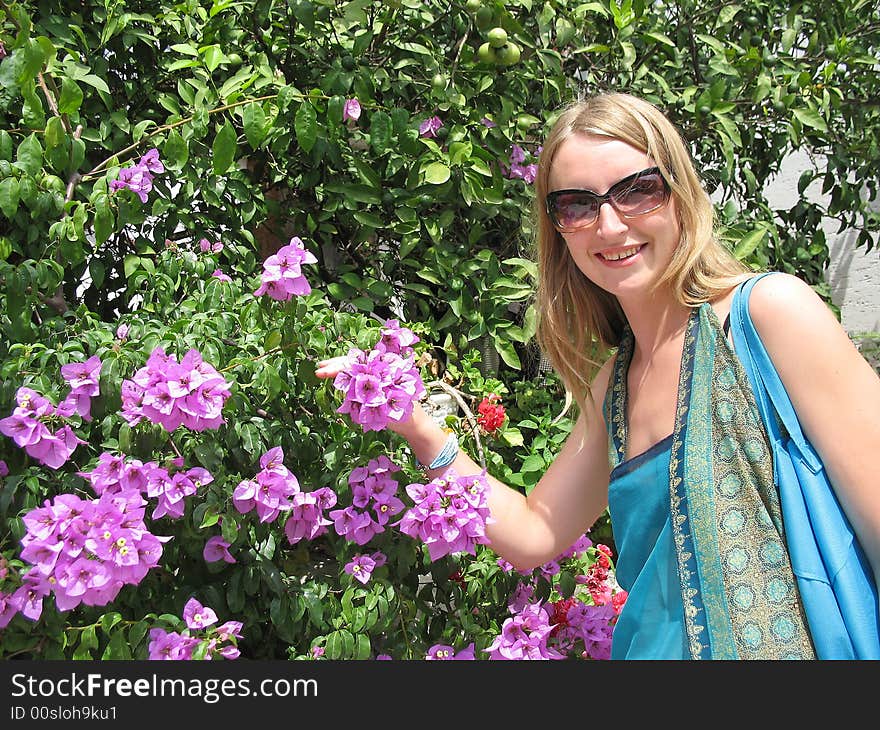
(642, 195)
(572, 210)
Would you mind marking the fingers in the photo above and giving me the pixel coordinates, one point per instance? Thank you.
(331, 367)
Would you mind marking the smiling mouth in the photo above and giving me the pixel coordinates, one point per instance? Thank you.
(620, 254)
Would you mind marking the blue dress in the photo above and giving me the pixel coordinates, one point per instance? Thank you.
(651, 624)
(697, 520)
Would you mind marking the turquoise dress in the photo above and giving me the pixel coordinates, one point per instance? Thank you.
(697, 521)
(651, 624)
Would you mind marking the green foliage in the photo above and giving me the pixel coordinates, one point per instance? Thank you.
(245, 103)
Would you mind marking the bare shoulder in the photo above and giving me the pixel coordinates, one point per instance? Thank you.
(802, 335)
(784, 305)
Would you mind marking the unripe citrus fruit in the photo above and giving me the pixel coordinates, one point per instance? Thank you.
(497, 37)
(486, 53)
(484, 17)
(508, 54)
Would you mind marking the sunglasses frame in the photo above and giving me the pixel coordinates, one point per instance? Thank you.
(550, 200)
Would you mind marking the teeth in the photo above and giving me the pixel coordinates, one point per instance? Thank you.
(624, 254)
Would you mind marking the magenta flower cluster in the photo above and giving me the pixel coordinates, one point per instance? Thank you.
(139, 177)
(222, 641)
(578, 626)
(450, 513)
(270, 491)
(188, 393)
(374, 501)
(306, 520)
(83, 551)
(282, 276)
(525, 635)
(29, 424)
(381, 385)
(114, 474)
(517, 169)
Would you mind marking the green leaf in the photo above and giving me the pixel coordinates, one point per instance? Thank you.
(508, 353)
(749, 243)
(254, 120)
(29, 157)
(811, 118)
(103, 219)
(9, 195)
(95, 81)
(117, 647)
(71, 96)
(225, 148)
(175, 151)
(109, 620)
(436, 173)
(213, 56)
(380, 131)
(305, 125)
(357, 193)
(130, 264)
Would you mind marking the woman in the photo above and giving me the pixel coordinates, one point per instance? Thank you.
(666, 435)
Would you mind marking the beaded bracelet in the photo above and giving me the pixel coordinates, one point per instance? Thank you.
(447, 453)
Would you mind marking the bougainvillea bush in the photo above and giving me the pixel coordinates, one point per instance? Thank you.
(199, 200)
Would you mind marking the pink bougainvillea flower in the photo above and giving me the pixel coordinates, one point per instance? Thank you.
(218, 274)
(198, 616)
(351, 110)
(217, 549)
(282, 276)
(429, 127)
(361, 567)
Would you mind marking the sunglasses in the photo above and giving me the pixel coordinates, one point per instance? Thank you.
(635, 195)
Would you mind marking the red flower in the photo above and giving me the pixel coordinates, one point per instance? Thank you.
(491, 412)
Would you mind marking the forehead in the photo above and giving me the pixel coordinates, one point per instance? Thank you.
(594, 163)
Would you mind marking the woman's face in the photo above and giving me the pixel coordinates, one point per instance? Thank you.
(623, 256)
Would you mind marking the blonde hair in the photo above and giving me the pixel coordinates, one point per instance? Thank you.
(578, 322)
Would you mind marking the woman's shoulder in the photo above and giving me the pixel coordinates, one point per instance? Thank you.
(795, 324)
(783, 300)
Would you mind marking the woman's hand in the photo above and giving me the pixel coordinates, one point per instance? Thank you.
(332, 367)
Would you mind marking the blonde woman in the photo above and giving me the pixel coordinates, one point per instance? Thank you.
(667, 434)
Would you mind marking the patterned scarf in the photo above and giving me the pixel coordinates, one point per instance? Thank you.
(739, 593)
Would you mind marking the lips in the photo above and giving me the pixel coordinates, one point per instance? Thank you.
(616, 255)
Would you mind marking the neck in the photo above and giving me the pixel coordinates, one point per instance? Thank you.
(655, 319)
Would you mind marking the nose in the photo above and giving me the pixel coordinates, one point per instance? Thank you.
(608, 221)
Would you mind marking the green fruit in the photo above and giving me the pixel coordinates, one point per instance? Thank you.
(484, 17)
(487, 54)
(438, 82)
(779, 106)
(497, 37)
(508, 54)
(705, 109)
(348, 63)
(472, 6)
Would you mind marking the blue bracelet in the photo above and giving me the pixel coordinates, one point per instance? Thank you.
(447, 453)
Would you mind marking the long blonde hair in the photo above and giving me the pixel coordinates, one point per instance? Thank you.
(578, 322)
